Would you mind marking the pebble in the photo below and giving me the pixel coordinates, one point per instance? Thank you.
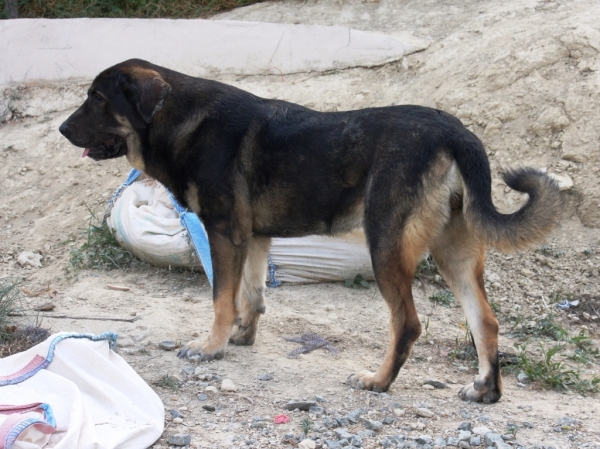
(180, 439)
(356, 441)
(177, 420)
(343, 434)
(388, 420)
(464, 444)
(228, 385)
(211, 389)
(452, 441)
(320, 399)
(465, 414)
(385, 443)
(465, 426)
(495, 440)
(265, 377)
(300, 405)
(399, 412)
(424, 439)
(373, 425)
(439, 441)
(366, 434)
(435, 383)
(475, 440)
(428, 387)
(481, 430)
(202, 397)
(464, 435)
(307, 444)
(209, 408)
(355, 415)
(167, 345)
(174, 413)
(425, 413)
(332, 444)
(30, 258)
(316, 410)
(330, 423)
(522, 377)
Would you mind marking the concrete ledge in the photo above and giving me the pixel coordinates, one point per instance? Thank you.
(38, 50)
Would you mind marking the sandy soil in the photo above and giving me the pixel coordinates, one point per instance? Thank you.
(523, 75)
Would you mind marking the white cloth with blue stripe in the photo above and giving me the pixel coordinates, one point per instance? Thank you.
(73, 391)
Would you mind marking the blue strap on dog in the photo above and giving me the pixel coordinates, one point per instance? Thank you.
(189, 221)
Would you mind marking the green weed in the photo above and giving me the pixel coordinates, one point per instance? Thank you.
(357, 283)
(548, 251)
(306, 424)
(444, 298)
(61, 9)
(553, 374)
(100, 249)
(169, 382)
(427, 267)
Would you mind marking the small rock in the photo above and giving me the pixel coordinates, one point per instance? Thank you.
(465, 426)
(209, 408)
(342, 421)
(330, 423)
(202, 397)
(475, 440)
(332, 444)
(481, 430)
(464, 435)
(527, 273)
(265, 377)
(465, 414)
(46, 307)
(385, 443)
(356, 441)
(425, 413)
(211, 389)
(300, 405)
(355, 415)
(180, 439)
(397, 439)
(307, 444)
(452, 441)
(30, 258)
(174, 413)
(564, 181)
(167, 345)
(188, 371)
(388, 420)
(435, 383)
(343, 433)
(177, 420)
(316, 410)
(522, 377)
(508, 437)
(423, 439)
(439, 442)
(320, 399)
(493, 439)
(399, 412)
(567, 421)
(288, 436)
(428, 387)
(344, 442)
(372, 424)
(228, 385)
(464, 444)
(484, 418)
(366, 434)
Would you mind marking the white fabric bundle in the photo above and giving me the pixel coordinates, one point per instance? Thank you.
(72, 391)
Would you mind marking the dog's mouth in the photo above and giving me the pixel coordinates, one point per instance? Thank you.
(112, 147)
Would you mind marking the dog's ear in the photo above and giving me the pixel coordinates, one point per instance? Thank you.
(149, 92)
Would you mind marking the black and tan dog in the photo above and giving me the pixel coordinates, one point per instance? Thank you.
(252, 169)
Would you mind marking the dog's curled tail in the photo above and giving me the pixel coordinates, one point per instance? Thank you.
(524, 228)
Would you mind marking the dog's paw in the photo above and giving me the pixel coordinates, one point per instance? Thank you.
(365, 380)
(196, 350)
(475, 392)
(243, 335)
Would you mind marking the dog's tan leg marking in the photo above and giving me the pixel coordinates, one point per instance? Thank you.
(250, 301)
(460, 258)
(228, 261)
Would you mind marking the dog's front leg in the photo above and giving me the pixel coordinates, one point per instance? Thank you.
(228, 261)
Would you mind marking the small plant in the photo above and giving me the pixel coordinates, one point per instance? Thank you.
(557, 296)
(357, 283)
(444, 298)
(548, 251)
(306, 424)
(495, 307)
(553, 374)
(549, 328)
(426, 336)
(169, 382)
(427, 267)
(512, 429)
(100, 249)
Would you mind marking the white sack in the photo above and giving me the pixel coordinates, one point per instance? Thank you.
(144, 221)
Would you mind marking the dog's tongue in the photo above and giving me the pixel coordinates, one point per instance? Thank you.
(85, 152)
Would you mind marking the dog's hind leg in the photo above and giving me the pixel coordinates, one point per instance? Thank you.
(250, 301)
(228, 262)
(399, 228)
(460, 258)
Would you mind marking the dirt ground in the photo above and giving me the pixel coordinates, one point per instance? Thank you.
(523, 75)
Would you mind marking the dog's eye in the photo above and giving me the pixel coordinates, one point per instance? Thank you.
(98, 98)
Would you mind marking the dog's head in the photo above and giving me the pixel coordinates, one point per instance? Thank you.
(120, 105)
